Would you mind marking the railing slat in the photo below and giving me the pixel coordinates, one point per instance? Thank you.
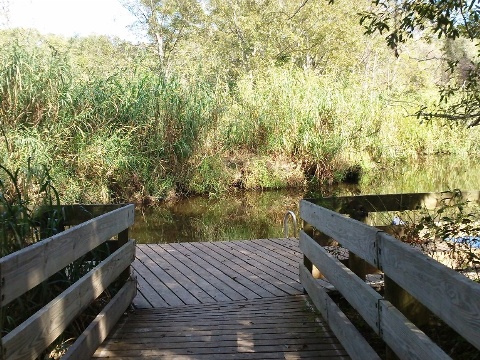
(87, 343)
(399, 333)
(364, 299)
(396, 202)
(353, 342)
(352, 234)
(24, 269)
(450, 295)
(28, 340)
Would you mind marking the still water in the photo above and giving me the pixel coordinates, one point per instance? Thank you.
(250, 215)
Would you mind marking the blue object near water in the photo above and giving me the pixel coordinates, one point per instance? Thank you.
(397, 221)
(473, 241)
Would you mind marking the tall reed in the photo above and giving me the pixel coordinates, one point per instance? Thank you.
(133, 133)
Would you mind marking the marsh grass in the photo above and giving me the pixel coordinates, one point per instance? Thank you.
(29, 212)
(134, 134)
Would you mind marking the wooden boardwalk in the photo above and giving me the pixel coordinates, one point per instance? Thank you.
(220, 300)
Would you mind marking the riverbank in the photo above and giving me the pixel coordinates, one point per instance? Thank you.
(137, 134)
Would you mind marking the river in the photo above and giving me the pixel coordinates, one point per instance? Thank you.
(250, 215)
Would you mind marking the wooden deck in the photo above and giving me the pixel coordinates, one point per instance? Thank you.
(206, 272)
(221, 300)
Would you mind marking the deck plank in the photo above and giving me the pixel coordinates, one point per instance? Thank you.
(198, 286)
(196, 273)
(245, 268)
(216, 288)
(286, 272)
(219, 301)
(235, 272)
(268, 328)
(147, 284)
(212, 269)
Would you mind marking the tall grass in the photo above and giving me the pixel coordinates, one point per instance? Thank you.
(136, 134)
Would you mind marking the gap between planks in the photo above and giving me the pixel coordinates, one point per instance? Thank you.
(209, 272)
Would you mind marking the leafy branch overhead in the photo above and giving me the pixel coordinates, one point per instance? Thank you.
(456, 22)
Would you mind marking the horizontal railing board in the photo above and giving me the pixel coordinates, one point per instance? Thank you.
(89, 341)
(29, 339)
(394, 202)
(352, 234)
(71, 215)
(450, 295)
(348, 335)
(24, 269)
(404, 338)
(364, 299)
(397, 331)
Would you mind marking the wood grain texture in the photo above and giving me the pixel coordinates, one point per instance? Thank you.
(388, 322)
(24, 269)
(395, 202)
(270, 328)
(352, 234)
(168, 274)
(354, 343)
(88, 342)
(450, 295)
(31, 337)
(404, 338)
(364, 299)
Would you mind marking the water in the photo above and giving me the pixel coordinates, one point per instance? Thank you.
(260, 214)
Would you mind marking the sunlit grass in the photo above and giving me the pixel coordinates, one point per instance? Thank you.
(132, 134)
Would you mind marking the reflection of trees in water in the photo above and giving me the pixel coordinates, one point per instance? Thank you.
(432, 174)
(238, 216)
(260, 214)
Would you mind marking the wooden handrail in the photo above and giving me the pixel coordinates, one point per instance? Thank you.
(24, 269)
(436, 286)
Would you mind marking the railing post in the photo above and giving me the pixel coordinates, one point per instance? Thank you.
(413, 310)
(309, 230)
(356, 263)
(122, 240)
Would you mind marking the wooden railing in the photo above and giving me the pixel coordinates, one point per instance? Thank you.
(448, 294)
(24, 269)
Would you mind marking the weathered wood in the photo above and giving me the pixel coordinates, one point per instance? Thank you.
(24, 269)
(404, 338)
(162, 281)
(364, 299)
(229, 264)
(398, 332)
(193, 293)
(354, 343)
(150, 287)
(270, 328)
(195, 266)
(88, 342)
(236, 270)
(413, 309)
(208, 293)
(396, 202)
(448, 294)
(268, 268)
(202, 258)
(352, 234)
(29, 339)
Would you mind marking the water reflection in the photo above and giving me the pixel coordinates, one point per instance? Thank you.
(260, 214)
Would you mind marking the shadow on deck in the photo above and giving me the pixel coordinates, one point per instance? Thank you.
(222, 300)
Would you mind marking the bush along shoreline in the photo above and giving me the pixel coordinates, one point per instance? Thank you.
(129, 132)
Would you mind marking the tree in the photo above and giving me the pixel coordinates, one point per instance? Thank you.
(458, 22)
(167, 22)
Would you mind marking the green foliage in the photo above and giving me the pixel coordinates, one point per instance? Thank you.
(449, 234)
(257, 96)
(456, 21)
(22, 192)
